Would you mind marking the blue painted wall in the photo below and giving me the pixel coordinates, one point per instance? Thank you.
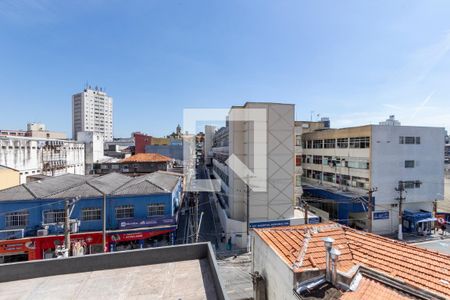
(345, 204)
(37, 207)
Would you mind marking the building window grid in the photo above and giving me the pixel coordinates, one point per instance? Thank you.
(124, 212)
(329, 144)
(409, 140)
(318, 144)
(91, 214)
(156, 209)
(342, 143)
(54, 216)
(359, 142)
(16, 219)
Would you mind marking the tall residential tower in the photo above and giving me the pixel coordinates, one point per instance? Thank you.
(92, 110)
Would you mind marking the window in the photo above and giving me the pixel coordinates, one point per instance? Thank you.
(91, 214)
(16, 219)
(317, 160)
(298, 140)
(54, 216)
(409, 140)
(408, 184)
(318, 144)
(329, 144)
(342, 143)
(298, 160)
(124, 212)
(409, 163)
(360, 142)
(298, 180)
(156, 209)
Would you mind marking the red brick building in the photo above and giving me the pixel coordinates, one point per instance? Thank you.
(140, 141)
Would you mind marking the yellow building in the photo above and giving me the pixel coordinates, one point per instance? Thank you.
(160, 141)
(8, 177)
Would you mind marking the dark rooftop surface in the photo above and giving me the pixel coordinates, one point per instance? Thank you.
(70, 185)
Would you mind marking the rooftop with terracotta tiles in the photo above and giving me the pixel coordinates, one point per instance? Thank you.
(302, 248)
(146, 158)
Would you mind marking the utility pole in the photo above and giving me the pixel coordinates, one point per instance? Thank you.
(400, 189)
(196, 212)
(67, 229)
(198, 229)
(370, 210)
(305, 210)
(248, 209)
(104, 224)
(435, 212)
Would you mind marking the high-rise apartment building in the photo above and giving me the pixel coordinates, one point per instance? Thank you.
(92, 110)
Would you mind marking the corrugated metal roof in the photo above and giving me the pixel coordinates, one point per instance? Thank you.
(84, 191)
(16, 193)
(70, 185)
(144, 187)
(110, 182)
(54, 185)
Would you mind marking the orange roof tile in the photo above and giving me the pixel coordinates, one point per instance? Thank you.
(374, 290)
(146, 157)
(302, 248)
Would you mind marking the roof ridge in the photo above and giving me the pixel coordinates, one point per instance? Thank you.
(28, 190)
(64, 190)
(94, 187)
(147, 179)
(301, 256)
(122, 185)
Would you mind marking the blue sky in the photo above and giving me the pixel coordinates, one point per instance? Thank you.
(353, 61)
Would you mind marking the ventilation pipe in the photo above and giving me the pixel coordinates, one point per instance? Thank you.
(334, 253)
(328, 241)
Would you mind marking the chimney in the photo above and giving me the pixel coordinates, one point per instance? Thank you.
(328, 241)
(334, 253)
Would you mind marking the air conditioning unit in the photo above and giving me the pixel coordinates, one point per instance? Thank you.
(42, 232)
(74, 226)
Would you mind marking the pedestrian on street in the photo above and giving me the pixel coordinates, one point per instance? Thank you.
(222, 237)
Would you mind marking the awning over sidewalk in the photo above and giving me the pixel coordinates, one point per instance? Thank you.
(427, 220)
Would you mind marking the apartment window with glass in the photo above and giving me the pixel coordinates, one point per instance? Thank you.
(342, 143)
(409, 163)
(156, 209)
(409, 140)
(16, 219)
(298, 160)
(124, 212)
(360, 142)
(329, 144)
(91, 214)
(54, 216)
(318, 144)
(412, 184)
(317, 159)
(309, 144)
(298, 140)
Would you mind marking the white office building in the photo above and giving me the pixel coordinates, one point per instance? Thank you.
(92, 110)
(343, 165)
(275, 205)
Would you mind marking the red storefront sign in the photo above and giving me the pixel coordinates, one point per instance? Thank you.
(35, 246)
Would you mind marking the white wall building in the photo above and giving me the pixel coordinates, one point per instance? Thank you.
(92, 110)
(93, 145)
(32, 156)
(208, 143)
(277, 202)
(340, 163)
